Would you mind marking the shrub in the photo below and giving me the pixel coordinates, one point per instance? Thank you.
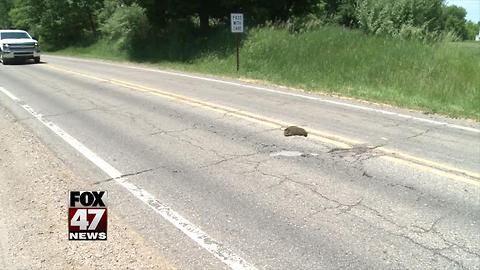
(304, 23)
(418, 19)
(124, 25)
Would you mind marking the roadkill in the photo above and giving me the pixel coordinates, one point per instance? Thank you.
(295, 131)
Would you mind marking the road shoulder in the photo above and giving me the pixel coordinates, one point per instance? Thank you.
(34, 185)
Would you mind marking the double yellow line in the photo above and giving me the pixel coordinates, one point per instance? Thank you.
(332, 139)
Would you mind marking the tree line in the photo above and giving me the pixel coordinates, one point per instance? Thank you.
(63, 23)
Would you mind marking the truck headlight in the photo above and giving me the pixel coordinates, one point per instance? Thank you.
(6, 47)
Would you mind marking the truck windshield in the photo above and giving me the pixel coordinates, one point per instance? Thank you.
(14, 35)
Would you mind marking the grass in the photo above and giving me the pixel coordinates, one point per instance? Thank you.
(437, 78)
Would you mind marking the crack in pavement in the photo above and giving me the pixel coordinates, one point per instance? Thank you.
(356, 149)
(197, 145)
(73, 96)
(398, 230)
(397, 123)
(429, 229)
(232, 157)
(135, 118)
(62, 113)
(418, 134)
(403, 186)
(451, 244)
(311, 187)
(159, 132)
(128, 175)
(406, 233)
(245, 137)
(356, 156)
(341, 207)
(358, 152)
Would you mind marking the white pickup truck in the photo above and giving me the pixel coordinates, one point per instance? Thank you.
(18, 45)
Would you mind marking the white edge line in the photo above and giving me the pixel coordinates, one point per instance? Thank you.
(193, 232)
(338, 103)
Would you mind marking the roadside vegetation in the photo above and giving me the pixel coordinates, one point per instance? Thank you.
(410, 53)
(438, 78)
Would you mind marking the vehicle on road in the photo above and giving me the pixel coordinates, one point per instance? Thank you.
(18, 45)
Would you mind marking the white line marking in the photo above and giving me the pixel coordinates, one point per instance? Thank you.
(196, 234)
(10, 95)
(338, 103)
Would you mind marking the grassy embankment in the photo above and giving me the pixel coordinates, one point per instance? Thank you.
(440, 78)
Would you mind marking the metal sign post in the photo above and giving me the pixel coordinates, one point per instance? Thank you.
(236, 20)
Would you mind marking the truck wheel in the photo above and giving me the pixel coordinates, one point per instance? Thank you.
(1, 58)
(36, 60)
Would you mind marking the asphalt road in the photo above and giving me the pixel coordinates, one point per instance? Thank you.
(372, 187)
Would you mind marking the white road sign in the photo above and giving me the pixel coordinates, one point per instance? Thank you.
(237, 22)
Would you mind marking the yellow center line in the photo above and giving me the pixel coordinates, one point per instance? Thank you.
(436, 168)
(425, 162)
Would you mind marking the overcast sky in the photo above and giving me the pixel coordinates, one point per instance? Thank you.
(472, 7)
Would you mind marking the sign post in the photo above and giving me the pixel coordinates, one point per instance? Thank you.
(236, 20)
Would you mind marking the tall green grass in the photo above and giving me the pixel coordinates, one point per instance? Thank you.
(438, 78)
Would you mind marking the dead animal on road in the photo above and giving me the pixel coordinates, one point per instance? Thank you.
(295, 131)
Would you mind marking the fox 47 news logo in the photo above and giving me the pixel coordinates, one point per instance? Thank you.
(87, 215)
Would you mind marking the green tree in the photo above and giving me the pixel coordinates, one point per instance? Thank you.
(454, 21)
(257, 11)
(472, 29)
(5, 6)
(88, 10)
(340, 11)
(421, 19)
(156, 11)
(57, 23)
(203, 9)
(126, 26)
(25, 14)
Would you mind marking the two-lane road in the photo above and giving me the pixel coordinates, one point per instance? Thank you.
(200, 168)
